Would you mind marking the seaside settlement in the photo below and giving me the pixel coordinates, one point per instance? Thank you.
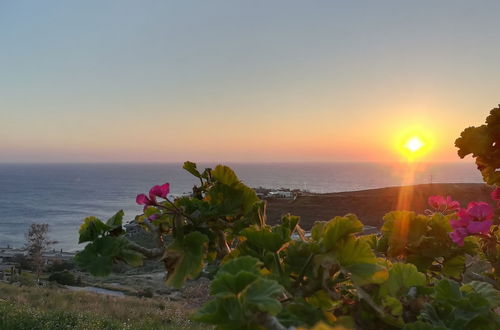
(12, 258)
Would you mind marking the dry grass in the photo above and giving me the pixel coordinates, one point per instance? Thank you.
(156, 313)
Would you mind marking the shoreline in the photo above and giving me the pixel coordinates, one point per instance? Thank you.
(368, 204)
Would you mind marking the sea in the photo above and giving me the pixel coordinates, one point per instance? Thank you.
(62, 195)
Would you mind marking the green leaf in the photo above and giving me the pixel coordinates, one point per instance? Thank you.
(191, 168)
(131, 257)
(229, 194)
(226, 312)
(186, 257)
(340, 227)
(474, 140)
(356, 256)
(300, 313)
(486, 290)
(266, 238)
(98, 256)
(393, 305)
(290, 222)
(322, 300)
(317, 230)
(403, 228)
(401, 278)
(225, 175)
(262, 294)
(212, 312)
(225, 282)
(91, 229)
(420, 325)
(245, 263)
(454, 266)
(448, 291)
(116, 220)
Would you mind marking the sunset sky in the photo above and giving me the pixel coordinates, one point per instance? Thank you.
(259, 81)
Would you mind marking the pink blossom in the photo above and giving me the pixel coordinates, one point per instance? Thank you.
(142, 199)
(155, 191)
(495, 194)
(153, 217)
(458, 235)
(476, 219)
(159, 191)
(479, 227)
(479, 211)
(441, 203)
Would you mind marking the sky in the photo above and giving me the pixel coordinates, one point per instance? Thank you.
(242, 81)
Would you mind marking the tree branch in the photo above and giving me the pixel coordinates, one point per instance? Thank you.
(150, 253)
(270, 322)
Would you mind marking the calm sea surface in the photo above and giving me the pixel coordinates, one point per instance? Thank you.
(63, 194)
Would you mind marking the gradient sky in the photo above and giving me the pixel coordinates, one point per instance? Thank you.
(242, 80)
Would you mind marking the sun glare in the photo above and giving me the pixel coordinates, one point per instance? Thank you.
(414, 144)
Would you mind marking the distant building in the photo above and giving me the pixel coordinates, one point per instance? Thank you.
(6, 272)
(8, 255)
(281, 194)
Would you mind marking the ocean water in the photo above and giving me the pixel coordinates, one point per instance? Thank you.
(63, 194)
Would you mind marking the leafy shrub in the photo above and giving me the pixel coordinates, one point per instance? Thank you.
(63, 278)
(60, 265)
(276, 276)
(24, 279)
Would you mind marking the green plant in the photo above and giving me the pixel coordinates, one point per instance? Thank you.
(469, 306)
(483, 143)
(64, 278)
(277, 276)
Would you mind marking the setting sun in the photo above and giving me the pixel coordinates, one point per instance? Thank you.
(414, 144)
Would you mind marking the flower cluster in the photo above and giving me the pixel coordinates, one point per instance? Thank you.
(476, 219)
(156, 191)
(442, 204)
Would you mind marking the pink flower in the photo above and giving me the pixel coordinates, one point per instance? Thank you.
(160, 191)
(441, 203)
(156, 191)
(458, 235)
(153, 217)
(142, 199)
(495, 194)
(479, 211)
(476, 219)
(479, 227)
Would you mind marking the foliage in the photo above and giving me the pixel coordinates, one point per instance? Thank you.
(64, 278)
(483, 143)
(60, 265)
(43, 308)
(37, 242)
(273, 277)
(469, 306)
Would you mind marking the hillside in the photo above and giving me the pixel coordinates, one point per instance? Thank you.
(370, 205)
(28, 308)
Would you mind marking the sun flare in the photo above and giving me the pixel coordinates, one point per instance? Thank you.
(414, 144)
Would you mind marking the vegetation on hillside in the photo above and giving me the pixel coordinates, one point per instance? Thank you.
(31, 308)
(419, 273)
